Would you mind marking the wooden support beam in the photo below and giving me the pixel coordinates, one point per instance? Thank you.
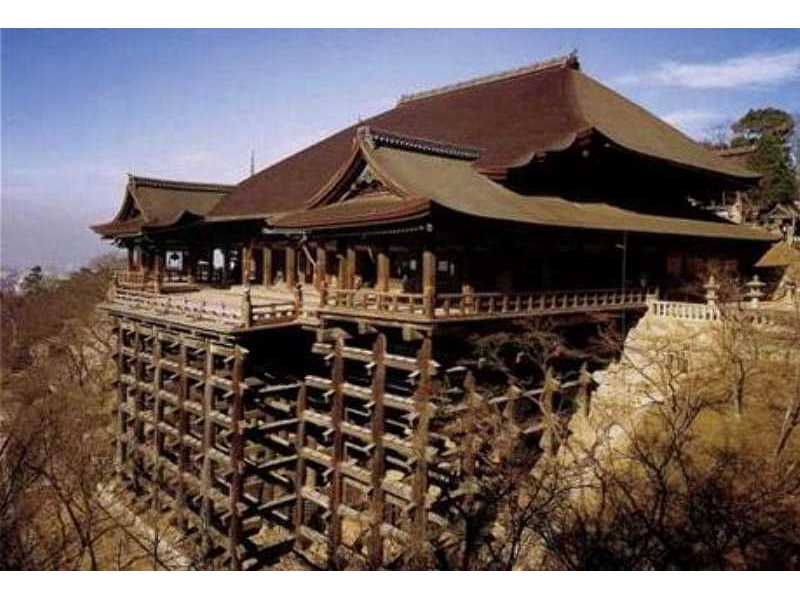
(429, 282)
(382, 283)
(208, 443)
(158, 416)
(341, 274)
(138, 425)
(291, 267)
(350, 268)
(122, 397)
(378, 466)
(210, 259)
(419, 524)
(337, 414)
(236, 414)
(321, 268)
(190, 265)
(158, 267)
(183, 431)
(300, 467)
(267, 276)
(245, 263)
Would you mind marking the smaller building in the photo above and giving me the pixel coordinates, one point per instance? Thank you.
(781, 268)
(783, 219)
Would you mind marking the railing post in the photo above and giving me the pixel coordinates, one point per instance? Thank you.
(246, 308)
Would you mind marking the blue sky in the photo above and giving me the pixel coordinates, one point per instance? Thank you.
(81, 108)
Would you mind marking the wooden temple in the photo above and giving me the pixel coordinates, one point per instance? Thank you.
(278, 340)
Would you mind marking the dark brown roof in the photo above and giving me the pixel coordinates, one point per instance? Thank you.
(510, 118)
(381, 209)
(417, 171)
(158, 203)
(739, 155)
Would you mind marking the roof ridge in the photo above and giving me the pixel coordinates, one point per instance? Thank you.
(567, 60)
(173, 183)
(380, 137)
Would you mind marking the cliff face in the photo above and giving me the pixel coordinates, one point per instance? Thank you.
(690, 440)
(662, 358)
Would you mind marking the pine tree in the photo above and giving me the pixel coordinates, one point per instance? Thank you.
(771, 131)
(778, 184)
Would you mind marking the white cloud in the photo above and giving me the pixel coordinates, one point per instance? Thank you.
(743, 71)
(694, 122)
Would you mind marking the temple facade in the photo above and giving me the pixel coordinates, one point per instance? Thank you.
(277, 339)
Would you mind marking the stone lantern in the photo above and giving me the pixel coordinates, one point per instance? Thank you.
(755, 291)
(712, 290)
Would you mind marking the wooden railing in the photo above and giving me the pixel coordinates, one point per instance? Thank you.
(135, 280)
(245, 315)
(486, 304)
(539, 302)
(371, 300)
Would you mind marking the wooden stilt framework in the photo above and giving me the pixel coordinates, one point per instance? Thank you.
(199, 439)
(364, 433)
(346, 465)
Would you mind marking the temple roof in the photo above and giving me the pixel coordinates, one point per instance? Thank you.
(150, 204)
(781, 254)
(510, 118)
(414, 172)
(740, 155)
(377, 209)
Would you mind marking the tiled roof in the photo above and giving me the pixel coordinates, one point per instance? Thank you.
(156, 203)
(508, 119)
(419, 178)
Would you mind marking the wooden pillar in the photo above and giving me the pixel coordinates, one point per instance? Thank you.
(378, 465)
(183, 431)
(208, 444)
(419, 492)
(146, 263)
(122, 398)
(225, 265)
(131, 264)
(382, 283)
(158, 268)
(337, 416)
(300, 465)
(158, 416)
(244, 264)
(138, 424)
(210, 259)
(429, 281)
(350, 268)
(291, 266)
(236, 414)
(341, 275)
(190, 265)
(266, 266)
(320, 272)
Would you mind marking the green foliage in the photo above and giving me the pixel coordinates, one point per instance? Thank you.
(763, 121)
(778, 184)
